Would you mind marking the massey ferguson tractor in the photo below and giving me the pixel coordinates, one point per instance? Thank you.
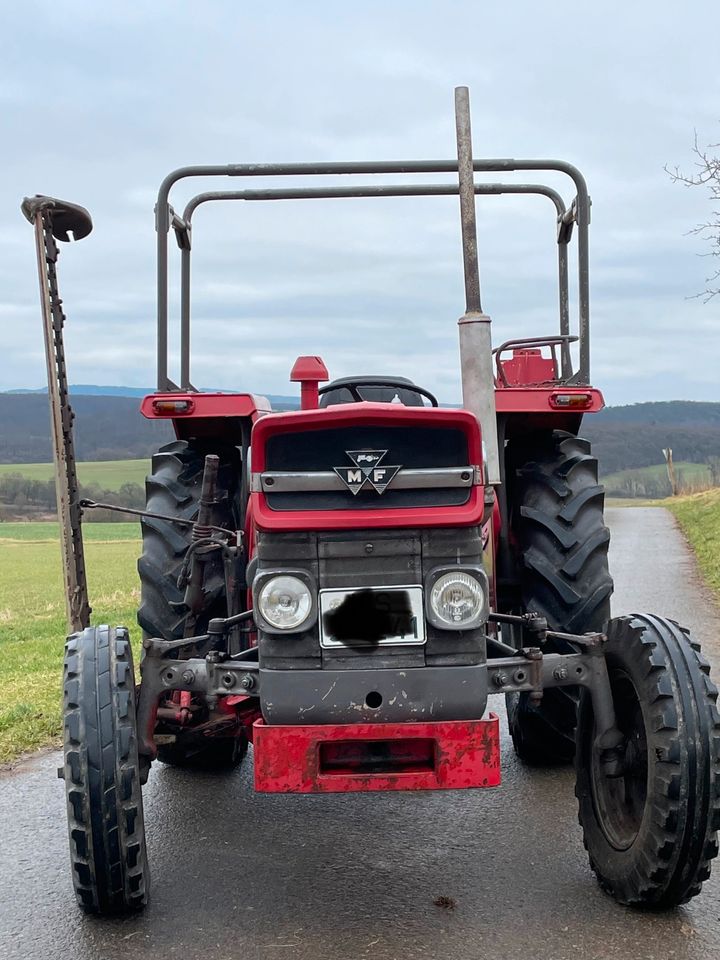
(344, 585)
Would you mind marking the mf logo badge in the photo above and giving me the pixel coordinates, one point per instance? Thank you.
(369, 470)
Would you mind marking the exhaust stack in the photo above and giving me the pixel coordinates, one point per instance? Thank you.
(478, 385)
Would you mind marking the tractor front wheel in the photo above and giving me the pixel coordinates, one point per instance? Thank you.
(651, 831)
(102, 773)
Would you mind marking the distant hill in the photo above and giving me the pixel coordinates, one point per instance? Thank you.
(109, 427)
(635, 435)
(101, 390)
(106, 428)
(87, 390)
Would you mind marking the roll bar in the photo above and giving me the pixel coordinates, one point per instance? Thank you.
(578, 212)
(183, 232)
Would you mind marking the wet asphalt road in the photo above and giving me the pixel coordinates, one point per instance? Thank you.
(352, 876)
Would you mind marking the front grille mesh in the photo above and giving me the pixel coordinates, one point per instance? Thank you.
(410, 447)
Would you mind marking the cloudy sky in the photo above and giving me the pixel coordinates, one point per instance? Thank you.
(99, 101)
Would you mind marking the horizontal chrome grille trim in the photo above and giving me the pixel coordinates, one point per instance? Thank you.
(326, 480)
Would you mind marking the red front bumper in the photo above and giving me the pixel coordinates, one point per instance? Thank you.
(341, 758)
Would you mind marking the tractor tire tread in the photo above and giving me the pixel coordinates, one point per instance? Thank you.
(679, 832)
(172, 489)
(562, 543)
(102, 774)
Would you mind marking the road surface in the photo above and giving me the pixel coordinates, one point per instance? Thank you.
(343, 877)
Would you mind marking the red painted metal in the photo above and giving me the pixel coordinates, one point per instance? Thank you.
(526, 367)
(244, 708)
(540, 399)
(344, 758)
(204, 405)
(366, 414)
(309, 371)
(465, 515)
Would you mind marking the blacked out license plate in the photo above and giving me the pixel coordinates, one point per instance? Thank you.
(372, 616)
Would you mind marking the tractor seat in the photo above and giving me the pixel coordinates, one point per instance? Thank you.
(375, 390)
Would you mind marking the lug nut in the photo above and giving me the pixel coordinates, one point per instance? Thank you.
(188, 677)
(560, 673)
(247, 682)
(501, 679)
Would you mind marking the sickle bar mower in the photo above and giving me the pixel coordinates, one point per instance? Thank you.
(344, 585)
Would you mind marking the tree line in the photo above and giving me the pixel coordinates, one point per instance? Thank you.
(23, 496)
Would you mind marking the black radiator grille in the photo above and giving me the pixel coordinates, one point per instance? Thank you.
(410, 447)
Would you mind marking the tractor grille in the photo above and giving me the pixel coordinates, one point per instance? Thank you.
(424, 467)
(340, 560)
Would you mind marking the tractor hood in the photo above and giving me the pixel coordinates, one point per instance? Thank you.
(366, 465)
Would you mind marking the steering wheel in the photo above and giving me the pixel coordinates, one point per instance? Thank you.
(352, 384)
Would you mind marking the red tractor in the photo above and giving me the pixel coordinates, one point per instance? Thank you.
(343, 585)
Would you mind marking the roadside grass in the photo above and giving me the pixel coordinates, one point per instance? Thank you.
(108, 474)
(699, 517)
(32, 620)
(612, 501)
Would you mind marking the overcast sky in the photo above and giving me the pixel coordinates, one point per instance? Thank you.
(99, 101)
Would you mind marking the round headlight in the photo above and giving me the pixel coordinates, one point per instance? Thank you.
(457, 599)
(285, 602)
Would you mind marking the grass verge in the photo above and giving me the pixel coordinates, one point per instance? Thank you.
(699, 518)
(32, 620)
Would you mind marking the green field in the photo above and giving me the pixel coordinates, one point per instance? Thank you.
(699, 517)
(625, 482)
(108, 474)
(32, 620)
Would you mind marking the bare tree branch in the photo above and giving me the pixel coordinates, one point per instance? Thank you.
(707, 164)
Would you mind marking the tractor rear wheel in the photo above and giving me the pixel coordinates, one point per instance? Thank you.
(651, 832)
(173, 489)
(102, 773)
(556, 519)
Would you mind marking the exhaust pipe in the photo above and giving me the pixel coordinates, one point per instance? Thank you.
(476, 367)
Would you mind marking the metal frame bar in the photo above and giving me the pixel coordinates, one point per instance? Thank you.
(466, 192)
(40, 211)
(183, 229)
(579, 213)
(529, 670)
